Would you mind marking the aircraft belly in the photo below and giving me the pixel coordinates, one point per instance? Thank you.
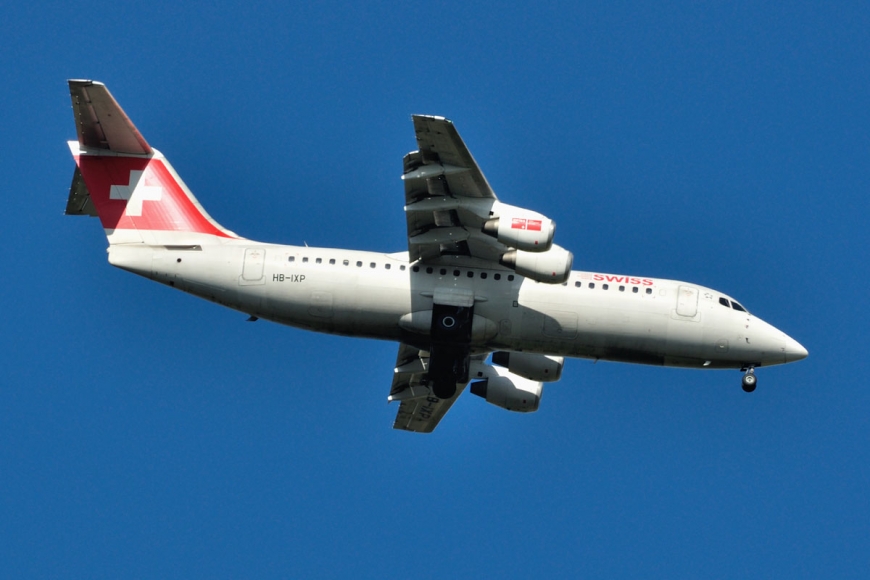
(205, 272)
(685, 343)
(210, 274)
(594, 328)
(337, 299)
(622, 335)
(378, 308)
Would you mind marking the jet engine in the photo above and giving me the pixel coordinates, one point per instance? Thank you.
(527, 231)
(535, 367)
(552, 266)
(508, 391)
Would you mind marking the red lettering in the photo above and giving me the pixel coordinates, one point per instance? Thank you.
(534, 225)
(518, 224)
(623, 279)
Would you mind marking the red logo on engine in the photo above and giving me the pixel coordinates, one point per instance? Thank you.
(524, 224)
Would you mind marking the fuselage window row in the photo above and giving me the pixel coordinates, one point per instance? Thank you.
(634, 289)
(458, 273)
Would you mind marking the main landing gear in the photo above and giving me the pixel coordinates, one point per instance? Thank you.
(444, 389)
(749, 380)
(450, 348)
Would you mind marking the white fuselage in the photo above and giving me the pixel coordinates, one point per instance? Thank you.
(376, 295)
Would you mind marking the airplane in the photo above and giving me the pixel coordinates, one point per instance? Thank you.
(482, 296)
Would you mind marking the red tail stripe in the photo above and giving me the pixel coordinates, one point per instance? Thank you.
(159, 204)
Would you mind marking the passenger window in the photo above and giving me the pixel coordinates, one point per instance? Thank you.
(402, 267)
(634, 289)
(331, 261)
(387, 266)
(497, 276)
(372, 265)
(649, 290)
(483, 275)
(470, 274)
(737, 306)
(622, 288)
(346, 262)
(578, 284)
(592, 285)
(319, 260)
(359, 264)
(605, 286)
(724, 302)
(416, 268)
(456, 272)
(291, 259)
(305, 260)
(429, 270)
(510, 277)
(443, 271)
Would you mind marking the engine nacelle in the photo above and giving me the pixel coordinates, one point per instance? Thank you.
(552, 266)
(535, 367)
(509, 391)
(527, 231)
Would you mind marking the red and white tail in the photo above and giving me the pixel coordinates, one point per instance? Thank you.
(130, 185)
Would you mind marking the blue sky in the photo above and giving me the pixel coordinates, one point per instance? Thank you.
(146, 433)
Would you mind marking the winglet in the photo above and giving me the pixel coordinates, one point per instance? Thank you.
(100, 121)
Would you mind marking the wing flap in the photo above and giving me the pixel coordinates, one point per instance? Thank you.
(419, 410)
(422, 415)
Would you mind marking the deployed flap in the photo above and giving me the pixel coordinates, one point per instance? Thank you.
(419, 409)
(101, 123)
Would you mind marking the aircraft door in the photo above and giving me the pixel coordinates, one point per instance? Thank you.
(252, 269)
(320, 305)
(687, 301)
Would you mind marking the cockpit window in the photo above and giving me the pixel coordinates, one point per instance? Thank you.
(737, 306)
(724, 302)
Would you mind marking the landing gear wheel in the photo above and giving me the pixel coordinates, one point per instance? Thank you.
(443, 389)
(749, 382)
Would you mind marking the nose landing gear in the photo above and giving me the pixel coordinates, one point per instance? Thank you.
(749, 380)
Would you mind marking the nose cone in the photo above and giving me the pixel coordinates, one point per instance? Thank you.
(793, 350)
(770, 346)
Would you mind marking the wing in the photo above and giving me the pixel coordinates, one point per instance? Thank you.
(419, 409)
(447, 198)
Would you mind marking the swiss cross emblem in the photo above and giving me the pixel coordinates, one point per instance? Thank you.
(524, 224)
(135, 192)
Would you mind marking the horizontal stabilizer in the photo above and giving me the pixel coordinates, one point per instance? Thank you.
(101, 123)
(79, 202)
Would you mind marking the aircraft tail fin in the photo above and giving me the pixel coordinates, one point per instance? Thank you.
(131, 186)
